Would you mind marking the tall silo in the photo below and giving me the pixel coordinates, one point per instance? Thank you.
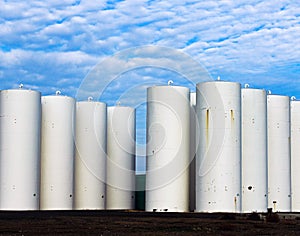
(295, 154)
(193, 148)
(168, 149)
(254, 151)
(279, 157)
(20, 117)
(90, 157)
(57, 152)
(218, 159)
(120, 187)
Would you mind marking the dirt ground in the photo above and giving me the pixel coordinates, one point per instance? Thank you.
(144, 223)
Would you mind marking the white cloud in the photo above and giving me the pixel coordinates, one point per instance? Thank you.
(219, 34)
(51, 45)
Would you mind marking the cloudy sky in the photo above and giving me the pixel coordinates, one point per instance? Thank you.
(56, 45)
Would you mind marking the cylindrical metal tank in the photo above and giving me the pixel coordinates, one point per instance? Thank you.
(20, 118)
(120, 188)
(90, 157)
(279, 157)
(254, 151)
(218, 158)
(193, 148)
(295, 154)
(168, 149)
(57, 152)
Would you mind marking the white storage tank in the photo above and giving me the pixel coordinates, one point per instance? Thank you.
(20, 117)
(120, 188)
(168, 149)
(90, 157)
(193, 148)
(279, 157)
(254, 151)
(57, 152)
(295, 154)
(218, 159)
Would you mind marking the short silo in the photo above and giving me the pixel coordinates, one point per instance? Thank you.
(295, 154)
(90, 157)
(254, 151)
(279, 157)
(193, 148)
(218, 158)
(168, 149)
(120, 182)
(20, 117)
(57, 152)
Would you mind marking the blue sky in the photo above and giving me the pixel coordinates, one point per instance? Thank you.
(53, 45)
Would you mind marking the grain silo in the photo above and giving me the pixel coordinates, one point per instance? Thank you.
(279, 157)
(57, 152)
(254, 151)
(218, 158)
(193, 148)
(120, 186)
(167, 164)
(90, 157)
(20, 117)
(295, 154)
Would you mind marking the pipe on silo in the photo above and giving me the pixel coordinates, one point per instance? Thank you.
(279, 156)
(168, 149)
(218, 159)
(90, 156)
(20, 117)
(120, 188)
(254, 151)
(57, 152)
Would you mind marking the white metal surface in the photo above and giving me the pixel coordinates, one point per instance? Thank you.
(90, 157)
(254, 151)
(120, 158)
(57, 152)
(295, 155)
(20, 117)
(218, 159)
(279, 159)
(167, 164)
(193, 148)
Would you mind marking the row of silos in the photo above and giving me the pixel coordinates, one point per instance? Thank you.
(244, 141)
(54, 152)
(244, 152)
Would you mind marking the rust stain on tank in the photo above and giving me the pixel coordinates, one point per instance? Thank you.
(207, 126)
(232, 115)
(274, 205)
(235, 203)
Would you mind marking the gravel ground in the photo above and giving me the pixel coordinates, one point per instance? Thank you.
(144, 223)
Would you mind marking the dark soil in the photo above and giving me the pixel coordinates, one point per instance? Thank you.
(142, 223)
